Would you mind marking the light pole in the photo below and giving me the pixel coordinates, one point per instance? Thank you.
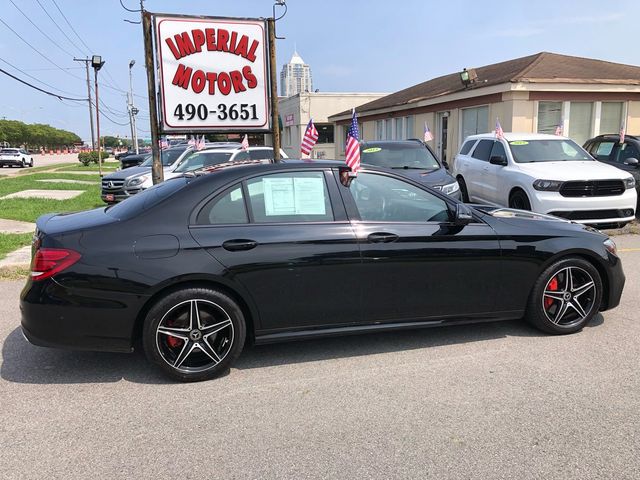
(97, 63)
(132, 110)
(86, 64)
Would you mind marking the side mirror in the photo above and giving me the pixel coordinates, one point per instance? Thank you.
(498, 160)
(463, 215)
(632, 161)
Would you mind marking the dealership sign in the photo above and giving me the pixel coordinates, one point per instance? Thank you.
(213, 74)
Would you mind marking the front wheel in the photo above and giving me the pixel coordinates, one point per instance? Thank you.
(194, 334)
(519, 200)
(464, 193)
(566, 296)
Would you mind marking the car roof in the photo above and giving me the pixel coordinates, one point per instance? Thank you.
(411, 141)
(613, 136)
(511, 136)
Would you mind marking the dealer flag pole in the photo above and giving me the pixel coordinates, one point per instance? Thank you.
(157, 173)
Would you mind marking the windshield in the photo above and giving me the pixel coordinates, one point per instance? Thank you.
(168, 157)
(202, 159)
(410, 155)
(530, 151)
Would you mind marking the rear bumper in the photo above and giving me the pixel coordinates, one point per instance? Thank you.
(10, 163)
(54, 316)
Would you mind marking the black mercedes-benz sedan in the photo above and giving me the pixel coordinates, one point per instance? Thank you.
(198, 266)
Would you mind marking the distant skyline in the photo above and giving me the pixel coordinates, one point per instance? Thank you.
(358, 46)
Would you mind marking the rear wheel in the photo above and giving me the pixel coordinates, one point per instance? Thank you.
(566, 296)
(194, 334)
(464, 193)
(23, 164)
(519, 200)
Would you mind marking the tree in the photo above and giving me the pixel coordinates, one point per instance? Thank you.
(37, 134)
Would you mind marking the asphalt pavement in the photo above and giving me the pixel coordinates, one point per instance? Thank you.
(490, 401)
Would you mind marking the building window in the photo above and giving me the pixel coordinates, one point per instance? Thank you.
(399, 129)
(325, 133)
(475, 120)
(287, 135)
(549, 116)
(379, 129)
(388, 129)
(580, 120)
(409, 122)
(610, 117)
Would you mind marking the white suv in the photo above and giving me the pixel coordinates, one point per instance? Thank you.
(546, 174)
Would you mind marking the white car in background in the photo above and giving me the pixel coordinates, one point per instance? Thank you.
(15, 157)
(207, 157)
(546, 174)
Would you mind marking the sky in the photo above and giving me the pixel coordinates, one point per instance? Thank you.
(351, 46)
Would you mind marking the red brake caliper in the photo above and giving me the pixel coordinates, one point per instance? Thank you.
(174, 342)
(553, 285)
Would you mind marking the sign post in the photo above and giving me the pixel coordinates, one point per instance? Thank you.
(157, 173)
(274, 89)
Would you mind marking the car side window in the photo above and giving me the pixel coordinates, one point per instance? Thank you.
(240, 157)
(498, 150)
(380, 198)
(466, 147)
(224, 209)
(290, 197)
(627, 150)
(602, 150)
(261, 154)
(482, 150)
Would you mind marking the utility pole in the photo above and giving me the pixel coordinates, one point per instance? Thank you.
(97, 63)
(271, 27)
(133, 111)
(86, 64)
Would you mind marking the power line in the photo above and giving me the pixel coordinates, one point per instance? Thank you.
(58, 26)
(70, 25)
(60, 97)
(40, 30)
(34, 78)
(38, 51)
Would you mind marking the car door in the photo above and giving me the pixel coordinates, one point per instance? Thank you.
(478, 169)
(620, 155)
(494, 176)
(416, 264)
(287, 241)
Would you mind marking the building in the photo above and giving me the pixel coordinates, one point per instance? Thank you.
(296, 111)
(295, 77)
(536, 93)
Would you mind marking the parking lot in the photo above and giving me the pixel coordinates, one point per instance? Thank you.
(497, 400)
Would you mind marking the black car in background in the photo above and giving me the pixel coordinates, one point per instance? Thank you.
(609, 150)
(413, 159)
(197, 265)
(133, 160)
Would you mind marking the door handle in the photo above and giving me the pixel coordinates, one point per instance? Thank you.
(239, 245)
(382, 237)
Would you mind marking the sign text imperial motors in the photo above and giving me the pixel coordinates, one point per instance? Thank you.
(213, 74)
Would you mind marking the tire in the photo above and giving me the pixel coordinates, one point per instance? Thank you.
(23, 164)
(188, 351)
(558, 307)
(519, 200)
(464, 193)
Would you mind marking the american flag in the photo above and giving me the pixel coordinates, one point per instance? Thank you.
(622, 130)
(200, 143)
(310, 139)
(499, 131)
(427, 133)
(352, 149)
(560, 129)
(164, 143)
(245, 143)
(192, 142)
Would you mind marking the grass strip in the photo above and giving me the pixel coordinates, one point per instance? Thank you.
(13, 241)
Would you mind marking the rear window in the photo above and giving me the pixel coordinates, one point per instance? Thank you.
(482, 150)
(9, 150)
(146, 199)
(466, 148)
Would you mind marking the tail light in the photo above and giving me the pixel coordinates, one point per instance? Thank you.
(49, 261)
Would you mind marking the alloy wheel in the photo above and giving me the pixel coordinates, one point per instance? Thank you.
(194, 335)
(569, 296)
